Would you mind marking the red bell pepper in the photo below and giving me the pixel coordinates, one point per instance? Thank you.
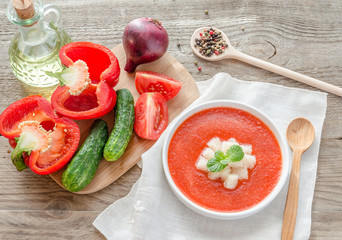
(83, 94)
(44, 141)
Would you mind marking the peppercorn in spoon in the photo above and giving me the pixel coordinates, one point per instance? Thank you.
(212, 44)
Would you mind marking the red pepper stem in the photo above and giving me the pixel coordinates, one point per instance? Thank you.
(57, 75)
(25, 143)
(17, 158)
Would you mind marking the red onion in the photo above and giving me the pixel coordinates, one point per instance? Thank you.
(144, 40)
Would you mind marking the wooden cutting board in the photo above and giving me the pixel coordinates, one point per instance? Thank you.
(108, 172)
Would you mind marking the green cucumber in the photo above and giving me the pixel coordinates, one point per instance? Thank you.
(82, 168)
(123, 127)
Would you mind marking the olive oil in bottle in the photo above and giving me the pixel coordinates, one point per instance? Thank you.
(35, 48)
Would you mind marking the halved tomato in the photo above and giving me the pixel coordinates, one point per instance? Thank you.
(146, 81)
(151, 116)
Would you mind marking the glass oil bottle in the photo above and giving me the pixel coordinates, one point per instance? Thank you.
(35, 48)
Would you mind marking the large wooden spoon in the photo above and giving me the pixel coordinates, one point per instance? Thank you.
(231, 52)
(300, 135)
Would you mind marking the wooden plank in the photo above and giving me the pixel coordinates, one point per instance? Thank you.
(328, 191)
(307, 38)
(326, 225)
(48, 224)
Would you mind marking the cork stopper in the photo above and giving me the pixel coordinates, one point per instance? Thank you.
(24, 8)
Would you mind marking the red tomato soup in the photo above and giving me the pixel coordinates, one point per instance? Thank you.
(191, 138)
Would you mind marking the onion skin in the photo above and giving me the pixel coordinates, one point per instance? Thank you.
(144, 40)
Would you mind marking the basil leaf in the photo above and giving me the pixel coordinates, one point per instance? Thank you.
(225, 161)
(235, 153)
(214, 165)
(219, 155)
(221, 160)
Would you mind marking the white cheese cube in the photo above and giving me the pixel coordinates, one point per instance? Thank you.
(237, 164)
(249, 161)
(223, 174)
(226, 145)
(214, 175)
(242, 172)
(231, 182)
(202, 164)
(233, 140)
(247, 149)
(215, 144)
(208, 153)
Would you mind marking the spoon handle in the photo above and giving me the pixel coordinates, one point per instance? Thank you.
(290, 212)
(287, 73)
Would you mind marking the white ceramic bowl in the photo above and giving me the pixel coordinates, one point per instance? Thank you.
(238, 105)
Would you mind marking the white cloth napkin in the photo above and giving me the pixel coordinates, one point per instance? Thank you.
(151, 210)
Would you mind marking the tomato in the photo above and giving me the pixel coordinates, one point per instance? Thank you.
(156, 82)
(151, 116)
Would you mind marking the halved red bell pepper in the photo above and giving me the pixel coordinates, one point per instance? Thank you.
(96, 98)
(44, 141)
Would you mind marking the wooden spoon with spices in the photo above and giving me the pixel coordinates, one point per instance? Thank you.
(231, 52)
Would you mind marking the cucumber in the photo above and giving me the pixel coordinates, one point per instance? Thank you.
(123, 127)
(82, 168)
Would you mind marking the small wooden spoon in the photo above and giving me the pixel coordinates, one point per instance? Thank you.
(300, 135)
(231, 52)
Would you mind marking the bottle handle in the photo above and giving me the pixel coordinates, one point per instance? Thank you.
(54, 11)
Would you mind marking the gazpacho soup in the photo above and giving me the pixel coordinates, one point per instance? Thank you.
(224, 159)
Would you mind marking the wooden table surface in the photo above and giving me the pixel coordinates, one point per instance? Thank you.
(305, 36)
